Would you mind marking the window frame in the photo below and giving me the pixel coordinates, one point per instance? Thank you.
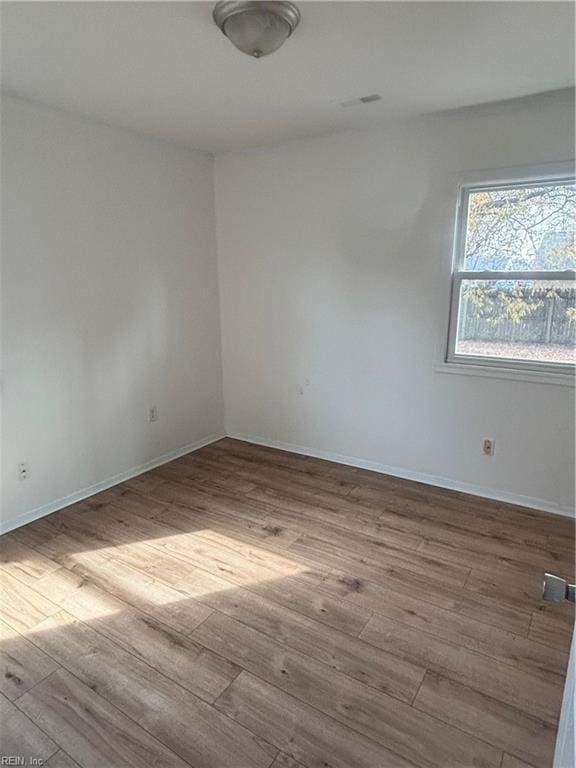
(559, 174)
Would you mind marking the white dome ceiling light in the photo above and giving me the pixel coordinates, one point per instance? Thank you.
(257, 28)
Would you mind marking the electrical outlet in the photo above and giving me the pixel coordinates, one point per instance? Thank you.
(303, 386)
(488, 446)
(23, 471)
(153, 413)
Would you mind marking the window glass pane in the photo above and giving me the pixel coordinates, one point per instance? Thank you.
(531, 320)
(521, 228)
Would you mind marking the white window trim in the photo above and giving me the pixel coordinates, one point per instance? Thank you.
(505, 373)
(503, 368)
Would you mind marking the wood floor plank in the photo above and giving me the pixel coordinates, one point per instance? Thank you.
(221, 483)
(207, 523)
(22, 665)
(248, 551)
(152, 562)
(564, 544)
(312, 506)
(199, 496)
(552, 631)
(108, 528)
(371, 545)
(299, 730)
(281, 477)
(388, 493)
(58, 584)
(36, 533)
(524, 591)
(231, 447)
(300, 594)
(23, 562)
(236, 566)
(470, 633)
(398, 583)
(21, 606)
(285, 761)
(441, 504)
(422, 740)
(161, 602)
(444, 541)
(314, 548)
(130, 585)
(92, 731)
(241, 562)
(145, 483)
(163, 708)
(467, 551)
(126, 539)
(529, 693)
(173, 654)
(136, 503)
(124, 536)
(561, 612)
(435, 522)
(359, 660)
(21, 738)
(486, 718)
(294, 593)
(315, 604)
(465, 512)
(233, 530)
(61, 760)
(509, 761)
(323, 513)
(424, 516)
(407, 518)
(204, 473)
(209, 497)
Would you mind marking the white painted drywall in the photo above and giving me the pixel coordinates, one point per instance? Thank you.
(334, 260)
(109, 304)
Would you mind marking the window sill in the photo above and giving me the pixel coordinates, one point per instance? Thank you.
(513, 374)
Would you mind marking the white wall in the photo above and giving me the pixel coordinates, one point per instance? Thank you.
(334, 259)
(109, 304)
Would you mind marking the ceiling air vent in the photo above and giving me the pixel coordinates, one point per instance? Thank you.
(360, 100)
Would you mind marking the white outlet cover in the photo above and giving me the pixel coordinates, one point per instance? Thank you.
(153, 413)
(488, 446)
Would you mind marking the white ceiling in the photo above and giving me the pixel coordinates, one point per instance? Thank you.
(163, 68)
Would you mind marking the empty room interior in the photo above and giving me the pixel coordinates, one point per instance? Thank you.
(288, 314)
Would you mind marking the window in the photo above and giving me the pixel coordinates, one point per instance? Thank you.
(514, 282)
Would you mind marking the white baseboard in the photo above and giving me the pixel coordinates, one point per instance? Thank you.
(65, 501)
(420, 477)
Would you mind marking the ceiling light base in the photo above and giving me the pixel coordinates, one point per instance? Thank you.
(255, 27)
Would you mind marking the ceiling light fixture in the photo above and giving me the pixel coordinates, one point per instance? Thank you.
(256, 28)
